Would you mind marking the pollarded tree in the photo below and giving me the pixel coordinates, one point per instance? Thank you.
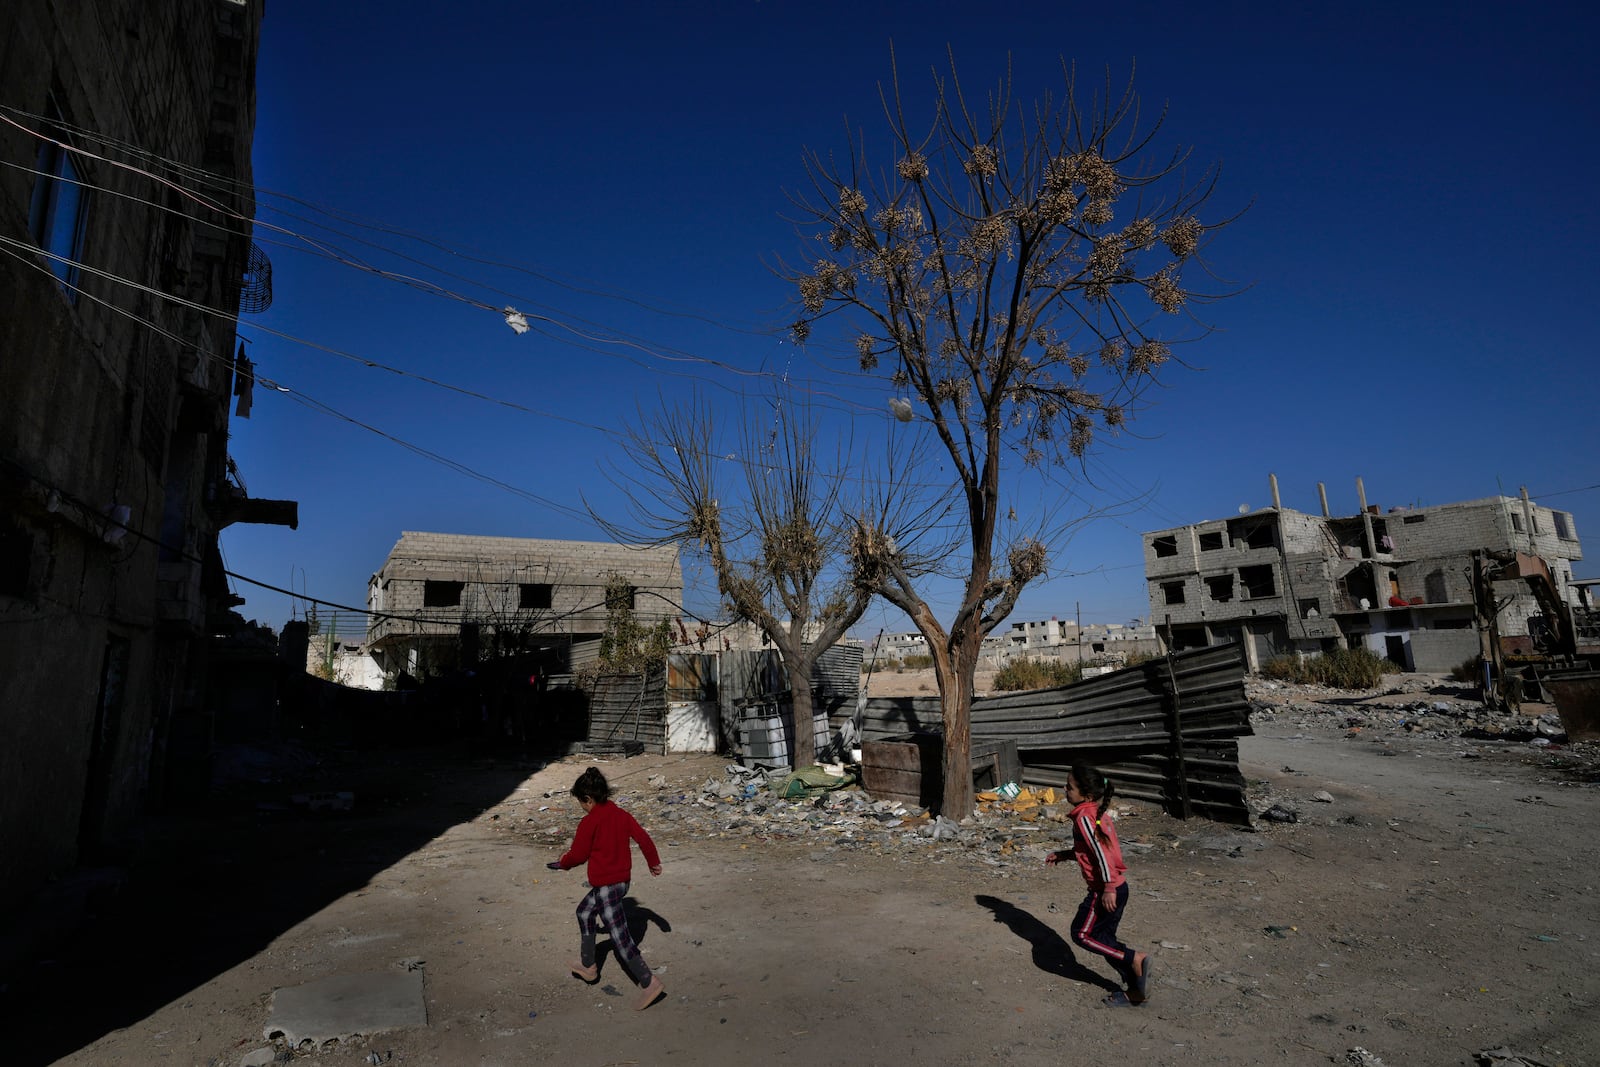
(777, 547)
(1006, 266)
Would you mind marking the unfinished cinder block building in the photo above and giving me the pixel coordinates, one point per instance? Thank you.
(1398, 583)
(441, 600)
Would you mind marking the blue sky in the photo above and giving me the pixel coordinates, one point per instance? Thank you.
(1419, 230)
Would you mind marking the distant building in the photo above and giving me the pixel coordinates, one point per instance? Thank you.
(746, 636)
(336, 651)
(1398, 583)
(442, 601)
(125, 255)
(1039, 639)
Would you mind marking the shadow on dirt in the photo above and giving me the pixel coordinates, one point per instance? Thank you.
(206, 891)
(640, 919)
(1051, 953)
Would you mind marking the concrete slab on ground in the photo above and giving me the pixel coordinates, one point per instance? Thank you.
(347, 1006)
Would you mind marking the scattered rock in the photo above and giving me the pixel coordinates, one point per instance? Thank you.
(1504, 1057)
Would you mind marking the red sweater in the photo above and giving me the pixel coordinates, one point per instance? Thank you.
(602, 840)
(1100, 861)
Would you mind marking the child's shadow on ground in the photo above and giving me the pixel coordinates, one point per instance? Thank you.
(1051, 953)
(639, 919)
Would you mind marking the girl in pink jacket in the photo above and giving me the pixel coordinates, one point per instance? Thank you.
(1099, 856)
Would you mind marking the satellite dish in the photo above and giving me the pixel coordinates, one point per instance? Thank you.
(1244, 509)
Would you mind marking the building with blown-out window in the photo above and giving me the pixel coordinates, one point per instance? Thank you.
(443, 601)
(1398, 582)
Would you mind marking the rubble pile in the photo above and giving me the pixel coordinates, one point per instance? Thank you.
(835, 817)
(1412, 706)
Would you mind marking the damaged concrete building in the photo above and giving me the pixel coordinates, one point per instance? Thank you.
(1397, 582)
(125, 227)
(442, 601)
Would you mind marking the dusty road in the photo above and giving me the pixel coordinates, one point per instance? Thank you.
(1441, 904)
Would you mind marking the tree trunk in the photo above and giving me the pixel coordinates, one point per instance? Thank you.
(955, 697)
(804, 753)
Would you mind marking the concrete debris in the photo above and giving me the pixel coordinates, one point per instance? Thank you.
(347, 1006)
(1360, 1057)
(1322, 796)
(1389, 707)
(1504, 1057)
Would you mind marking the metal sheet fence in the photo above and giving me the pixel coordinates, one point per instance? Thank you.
(628, 708)
(1164, 731)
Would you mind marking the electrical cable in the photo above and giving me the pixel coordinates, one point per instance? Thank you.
(112, 522)
(238, 187)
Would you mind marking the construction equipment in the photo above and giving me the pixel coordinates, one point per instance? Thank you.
(1559, 657)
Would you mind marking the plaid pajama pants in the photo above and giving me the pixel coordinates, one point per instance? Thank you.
(602, 906)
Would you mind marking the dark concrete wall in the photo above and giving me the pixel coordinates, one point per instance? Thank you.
(100, 640)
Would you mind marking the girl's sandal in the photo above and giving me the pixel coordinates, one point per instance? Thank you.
(650, 994)
(590, 975)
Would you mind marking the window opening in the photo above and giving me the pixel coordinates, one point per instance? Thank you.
(533, 596)
(441, 594)
(1257, 582)
(1173, 591)
(1253, 533)
(58, 210)
(1220, 588)
(1211, 541)
(1166, 546)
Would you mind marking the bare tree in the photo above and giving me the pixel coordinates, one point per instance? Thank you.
(1006, 270)
(778, 553)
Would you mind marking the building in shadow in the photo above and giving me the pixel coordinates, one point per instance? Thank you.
(125, 260)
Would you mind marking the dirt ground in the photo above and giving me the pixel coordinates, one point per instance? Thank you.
(1437, 905)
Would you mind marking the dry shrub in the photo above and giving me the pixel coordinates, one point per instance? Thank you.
(1343, 668)
(1024, 674)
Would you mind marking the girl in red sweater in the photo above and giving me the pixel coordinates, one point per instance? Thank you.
(602, 840)
(1099, 857)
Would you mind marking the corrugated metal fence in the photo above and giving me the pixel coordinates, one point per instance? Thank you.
(633, 708)
(1164, 731)
(629, 708)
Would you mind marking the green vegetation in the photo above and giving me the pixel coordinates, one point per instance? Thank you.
(1344, 668)
(1023, 674)
(629, 646)
(907, 663)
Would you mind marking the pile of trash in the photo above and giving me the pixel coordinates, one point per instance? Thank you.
(825, 806)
